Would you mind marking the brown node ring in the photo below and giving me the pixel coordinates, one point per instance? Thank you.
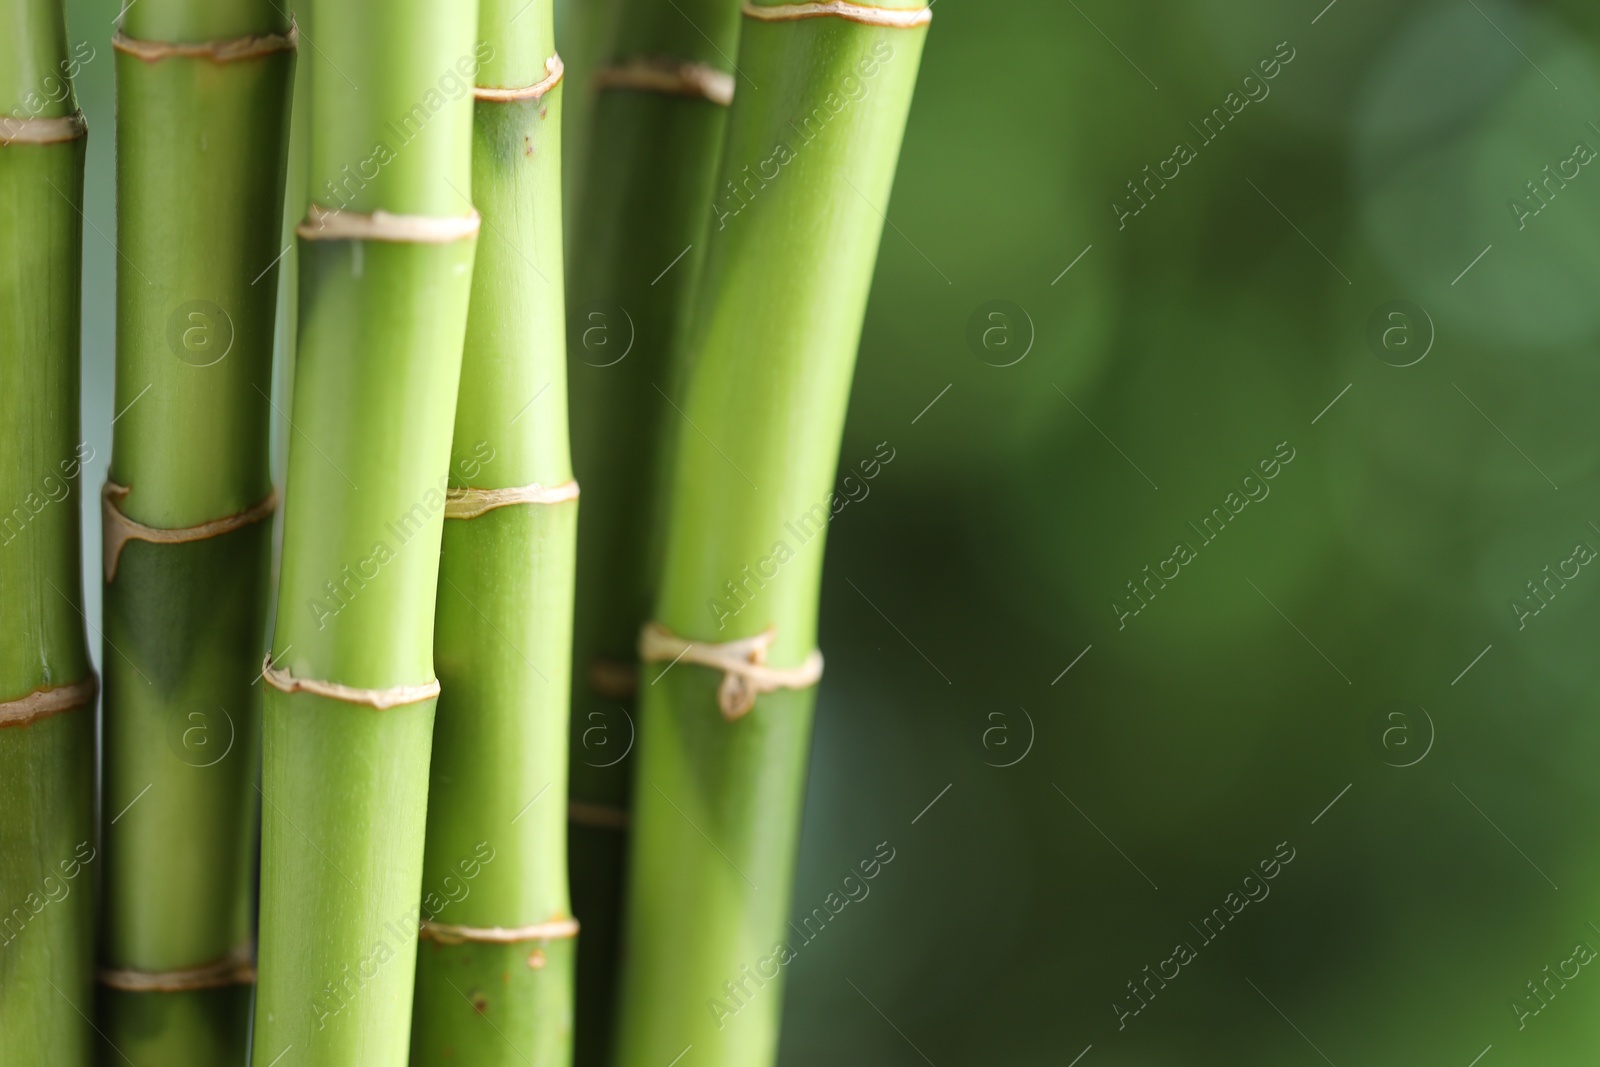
(896, 18)
(670, 77)
(227, 50)
(613, 680)
(334, 224)
(57, 130)
(119, 529)
(235, 968)
(596, 816)
(554, 69)
(469, 503)
(47, 701)
(743, 663)
(444, 934)
(381, 699)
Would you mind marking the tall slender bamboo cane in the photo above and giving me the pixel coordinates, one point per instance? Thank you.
(46, 685)
(494, 972)
(807, 168)
(586, 29)
(654, 139)
(385, 276)
(202, 130)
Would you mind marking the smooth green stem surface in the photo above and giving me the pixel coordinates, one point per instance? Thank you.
(201, 155)
(806, 172)
(36, 69)
(586, 30)
(381, 324)
(195, 21)
(48, 859)
(643, 208)
(496, 846)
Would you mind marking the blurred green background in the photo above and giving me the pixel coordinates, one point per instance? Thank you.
(1348, 639)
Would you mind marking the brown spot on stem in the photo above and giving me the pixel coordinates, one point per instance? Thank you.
(536, 959)
(480, 1003)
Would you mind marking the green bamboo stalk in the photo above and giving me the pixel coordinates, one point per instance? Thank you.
(807, 168)
(46, 685)
(652, 157)
(202, 130)
(494, 971)
(585, 29)
(385, 276)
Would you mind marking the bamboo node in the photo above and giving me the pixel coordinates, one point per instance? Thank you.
(743, 663)
(613, 680)
(898, 18)
(444, 934)
(381, 699)
(554, 69)
(668, 76)
(57, 130)
(47, 701)
(335, 224)
(119, 529)
(236, 968)
(227, 50)
(597, 816)
(469, 503)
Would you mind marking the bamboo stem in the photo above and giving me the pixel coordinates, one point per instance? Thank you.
(47, 852)
(654, 136)
(494, 972)
(806, 171)
(385, 275)
(203, 111)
